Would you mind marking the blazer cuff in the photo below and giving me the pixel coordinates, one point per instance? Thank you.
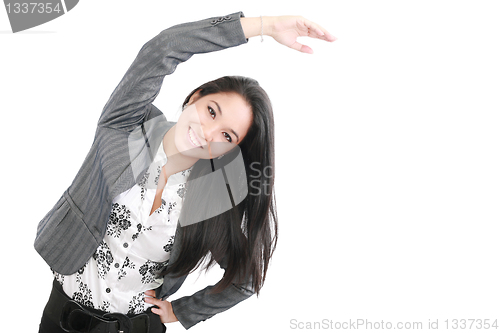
(203, 305)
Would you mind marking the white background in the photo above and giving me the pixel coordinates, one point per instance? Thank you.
(387, 175)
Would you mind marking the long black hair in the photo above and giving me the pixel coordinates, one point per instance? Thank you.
(244, 236)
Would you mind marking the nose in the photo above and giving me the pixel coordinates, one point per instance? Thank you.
(208, 132)
(208, 135)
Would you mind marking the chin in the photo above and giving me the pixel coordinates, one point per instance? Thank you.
(196, 153)
(199, 153)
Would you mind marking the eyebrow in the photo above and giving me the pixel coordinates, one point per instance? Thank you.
(220, 111)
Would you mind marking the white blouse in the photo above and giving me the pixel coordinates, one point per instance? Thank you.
(135, 248)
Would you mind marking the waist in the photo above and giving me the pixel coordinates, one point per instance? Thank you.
(76, 317)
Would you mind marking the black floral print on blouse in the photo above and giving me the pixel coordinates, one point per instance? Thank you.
(103, 258)
(181, 191)
(171, 205)
(140, 230)
(119, 220)
(105, 306)
(142, 184)
(137, 304)
(127, 264)
(161, 208)
(84, 295)
(170, 244)
(158, 173)
(150, 270)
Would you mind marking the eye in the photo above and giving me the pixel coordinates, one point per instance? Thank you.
(227, 136)
(212, 112)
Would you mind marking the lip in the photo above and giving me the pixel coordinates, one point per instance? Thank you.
(191, 141)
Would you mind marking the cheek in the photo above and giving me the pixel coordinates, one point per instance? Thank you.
(219, 148)
(178, 140)
(182, 122)
(190, 115)
(196, 114)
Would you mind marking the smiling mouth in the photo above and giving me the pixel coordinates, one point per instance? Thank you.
(193, 139)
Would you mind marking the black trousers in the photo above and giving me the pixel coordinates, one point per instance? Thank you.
(48, 325)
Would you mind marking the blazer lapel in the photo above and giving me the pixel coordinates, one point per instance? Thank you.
(140, 149)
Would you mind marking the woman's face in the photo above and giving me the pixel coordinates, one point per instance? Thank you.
(212, 125)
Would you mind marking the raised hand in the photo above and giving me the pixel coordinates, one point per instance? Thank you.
(285, 30)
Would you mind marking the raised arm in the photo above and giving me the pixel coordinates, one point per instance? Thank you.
(130, 102)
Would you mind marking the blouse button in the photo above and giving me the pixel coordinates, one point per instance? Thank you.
(125, 245)
(117, 265)
(108, 290)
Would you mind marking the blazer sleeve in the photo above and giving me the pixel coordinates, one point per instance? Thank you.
(130, 102)
(203, 304)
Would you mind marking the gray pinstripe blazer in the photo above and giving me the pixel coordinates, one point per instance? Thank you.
(72, 230)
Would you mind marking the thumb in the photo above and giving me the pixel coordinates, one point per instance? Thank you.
(302, 48)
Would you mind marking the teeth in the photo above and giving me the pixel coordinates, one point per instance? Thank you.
(191, 135)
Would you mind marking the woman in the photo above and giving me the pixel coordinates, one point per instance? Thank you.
(153, 198)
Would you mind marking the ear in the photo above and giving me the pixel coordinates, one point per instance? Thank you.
(194, 97)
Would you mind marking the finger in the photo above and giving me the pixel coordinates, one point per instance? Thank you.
(306, 49)
(314, 28)
(323, 35)
(152, 300)
(302, 48)
(317, 31)
(156, 311)
(150, 293)
(327, 36)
